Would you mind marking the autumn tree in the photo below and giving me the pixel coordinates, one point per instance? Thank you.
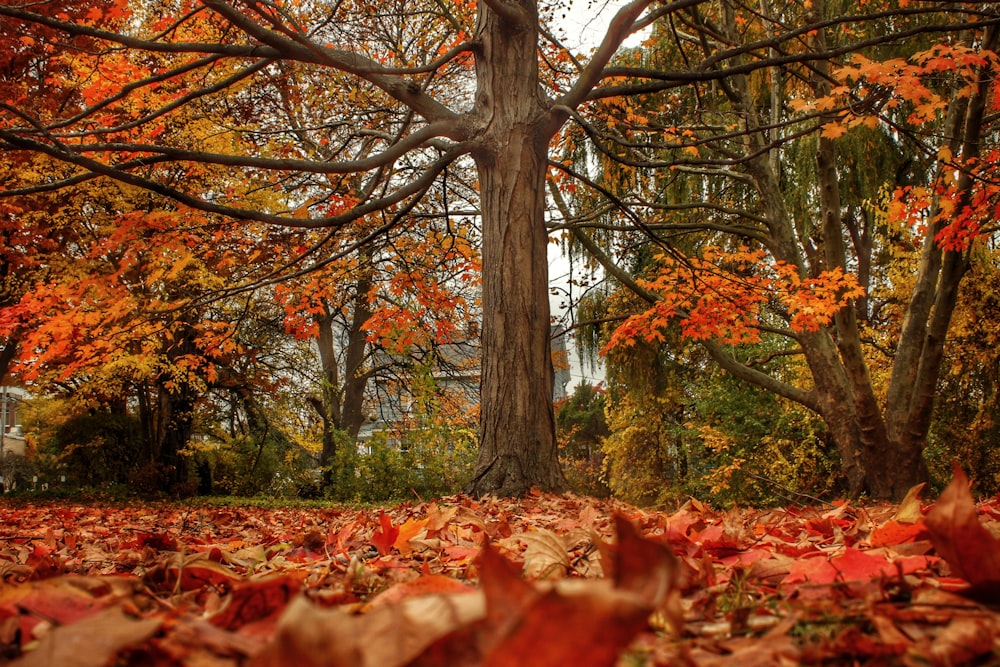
(125, 314)
(26, 68)
(456, 86)
(377, 315)
(116, 324)
(777, 177)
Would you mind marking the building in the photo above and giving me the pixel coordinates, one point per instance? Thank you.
(456, 371)
(11, 436)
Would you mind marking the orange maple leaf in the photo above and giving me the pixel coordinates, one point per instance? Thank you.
(385, 536)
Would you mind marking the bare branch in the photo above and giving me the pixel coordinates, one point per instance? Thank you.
(96, 167)
(159, 154)
(655, 80)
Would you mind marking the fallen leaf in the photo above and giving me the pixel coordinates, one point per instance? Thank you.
(192, 572)
(92, 642)
(250, 601)
(816, 570)
(644, 566)
(856, 565)
(409, 529)
(895, 532)
(963, 542)
(909, 510)
(546, 555)
(964, 639)
(391, 635)
(385, 536)
(431, 584)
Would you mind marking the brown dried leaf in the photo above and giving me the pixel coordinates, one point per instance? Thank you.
(959, 537)
(546, 555)
(909, 509)
(92, 642)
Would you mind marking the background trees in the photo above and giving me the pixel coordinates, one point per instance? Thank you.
(725, 163)
(772, 196)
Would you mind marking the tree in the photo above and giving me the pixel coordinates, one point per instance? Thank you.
(782, 249)
(375, 316)
(452, 81)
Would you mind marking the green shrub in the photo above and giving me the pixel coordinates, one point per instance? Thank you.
(99, 448)
(422, 464)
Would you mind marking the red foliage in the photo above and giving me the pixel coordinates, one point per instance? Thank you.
(538, 581)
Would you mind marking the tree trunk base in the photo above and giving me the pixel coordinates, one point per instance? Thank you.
(506, 476)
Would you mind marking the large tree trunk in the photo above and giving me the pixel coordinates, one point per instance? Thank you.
(175, 419)
(920, 351)
(517, 448)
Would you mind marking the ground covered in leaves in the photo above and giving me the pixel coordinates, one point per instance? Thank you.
(545, 580)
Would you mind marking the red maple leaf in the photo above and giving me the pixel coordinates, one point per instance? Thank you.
(384, 537)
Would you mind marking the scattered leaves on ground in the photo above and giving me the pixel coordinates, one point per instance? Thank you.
(544, 580)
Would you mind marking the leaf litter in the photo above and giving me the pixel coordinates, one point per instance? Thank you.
(543, 580)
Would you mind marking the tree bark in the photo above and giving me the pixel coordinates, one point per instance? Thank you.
(327, 404)
(517, 447)
(352, 414)
(175, 418)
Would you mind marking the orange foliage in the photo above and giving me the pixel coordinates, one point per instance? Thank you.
(873, 93)
(723, 296)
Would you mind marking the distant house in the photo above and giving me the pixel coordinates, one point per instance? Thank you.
(560, 363)
(457, 371)
(11, 437)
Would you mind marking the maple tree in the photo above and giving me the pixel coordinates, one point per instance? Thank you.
(377, 318)
(780, 202)
(25, 69)
(108, 307)
(149, 325)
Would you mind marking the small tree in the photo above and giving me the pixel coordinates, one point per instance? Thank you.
(581, 427)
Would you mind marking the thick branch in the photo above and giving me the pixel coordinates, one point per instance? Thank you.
(416, 186)
(159, 154)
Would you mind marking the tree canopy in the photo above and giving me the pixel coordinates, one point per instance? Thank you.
(279, 139)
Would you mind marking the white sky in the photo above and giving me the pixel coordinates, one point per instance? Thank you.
(583, 28)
